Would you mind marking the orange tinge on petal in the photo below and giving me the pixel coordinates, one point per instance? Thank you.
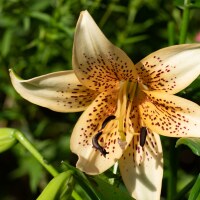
(89, 124)
(170, 115)
(170, 69)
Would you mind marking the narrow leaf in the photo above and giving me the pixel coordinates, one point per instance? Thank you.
(41, 16)
(107, 191)
(195, 192)
(6, 42)
(60, 187)
(83, 181)
(192, 143)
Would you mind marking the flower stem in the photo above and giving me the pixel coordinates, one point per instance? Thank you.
(171, 38)
(22, 139)
(185, 22)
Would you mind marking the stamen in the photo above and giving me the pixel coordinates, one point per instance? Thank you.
(96, 144)
(143, 135)
(108, 119)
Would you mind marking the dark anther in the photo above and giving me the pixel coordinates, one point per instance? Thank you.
(96, 144)
(143, 135)
(108, 119)
(95, 139)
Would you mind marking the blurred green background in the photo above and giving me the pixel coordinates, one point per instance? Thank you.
(36, 37)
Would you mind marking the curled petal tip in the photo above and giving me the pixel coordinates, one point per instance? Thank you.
(14, 76)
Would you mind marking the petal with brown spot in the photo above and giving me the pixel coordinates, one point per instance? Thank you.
(89, 124)
(170, 115)
(58, 91)
(142, 168)
(134, 116)
(170, 69)
(99, 64)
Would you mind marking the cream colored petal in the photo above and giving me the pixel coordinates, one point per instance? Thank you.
(134, 116)
(170, 115)
(170, 69)
(98, 64)
(59, 91)
(91, 160)
(142, 168)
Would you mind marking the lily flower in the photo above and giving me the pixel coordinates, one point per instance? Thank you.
(125, 106)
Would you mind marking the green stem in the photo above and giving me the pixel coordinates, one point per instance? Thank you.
(185, 22)
(172, 176)
(171, 38)
(21, 138)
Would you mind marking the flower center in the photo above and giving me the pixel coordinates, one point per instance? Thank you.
(126, 96)
(121, 117)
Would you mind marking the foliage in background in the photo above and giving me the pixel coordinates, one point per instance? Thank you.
(36, 38)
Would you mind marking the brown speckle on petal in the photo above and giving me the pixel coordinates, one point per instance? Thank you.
(93, 122)
(154, 77)
(98, 75)
(140, 164)
(168, 115)
(75, 96)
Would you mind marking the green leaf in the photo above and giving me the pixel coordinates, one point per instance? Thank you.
(40, 5)
(26, 23)
(6, 42)
(195, 192)
(41, 16)
(107, 191)
(135, 39)
(83, 181)
(192, 143)
(97, 188)
(60, 187)
(7, 138)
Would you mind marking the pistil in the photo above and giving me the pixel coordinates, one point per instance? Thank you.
(121, 109)
(126, 96)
